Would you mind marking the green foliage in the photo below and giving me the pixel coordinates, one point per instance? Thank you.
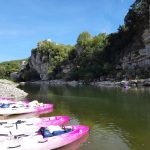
(84, 39)
(56, 53)
(88, 64)
(6, 68)
(99, 41)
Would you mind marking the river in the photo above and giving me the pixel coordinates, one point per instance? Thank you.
(118, 119)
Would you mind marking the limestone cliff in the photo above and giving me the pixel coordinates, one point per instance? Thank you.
(141, 57)
(135, 61)
(35, 69)
(40, 64)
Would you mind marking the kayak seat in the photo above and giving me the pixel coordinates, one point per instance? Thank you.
(45, 132)
(55, 133)
(4, 105)
(68, 130)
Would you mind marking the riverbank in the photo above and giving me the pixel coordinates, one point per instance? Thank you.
(107, 83)
(9, 89)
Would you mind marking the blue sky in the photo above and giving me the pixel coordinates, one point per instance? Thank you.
(24, 22)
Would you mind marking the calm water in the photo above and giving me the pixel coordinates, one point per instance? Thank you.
(119, 120)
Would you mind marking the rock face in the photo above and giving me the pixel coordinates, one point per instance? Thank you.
(140, 58)
(137, 60)
(40, 64)
(35, 69)
(14, 76)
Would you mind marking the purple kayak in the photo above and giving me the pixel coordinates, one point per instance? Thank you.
(59, 137)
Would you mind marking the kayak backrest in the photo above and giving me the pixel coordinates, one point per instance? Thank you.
(53, 128)
(4, 105)
(45, 132)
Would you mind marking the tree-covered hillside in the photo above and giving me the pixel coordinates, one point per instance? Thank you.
(8, 67)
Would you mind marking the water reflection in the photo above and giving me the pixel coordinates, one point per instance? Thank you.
(118, 119)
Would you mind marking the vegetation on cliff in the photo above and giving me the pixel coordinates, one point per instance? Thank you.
(88, 62)
(55, 53)
(101, 58)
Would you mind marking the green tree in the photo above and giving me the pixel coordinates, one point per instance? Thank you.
(84, 39)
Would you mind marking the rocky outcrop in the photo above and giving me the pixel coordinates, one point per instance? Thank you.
(141, 58)
(136, 62)
(35, 69)
(40, 64)
(17, 75)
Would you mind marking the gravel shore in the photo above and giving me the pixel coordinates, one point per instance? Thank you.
(9, 89)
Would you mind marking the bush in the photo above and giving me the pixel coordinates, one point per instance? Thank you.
(6, 68)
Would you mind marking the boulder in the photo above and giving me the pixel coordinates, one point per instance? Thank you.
(14, 76)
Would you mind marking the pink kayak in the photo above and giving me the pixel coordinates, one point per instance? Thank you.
(59, 137)
(29, 126)
(75, 145)
(41, 122)
(26, 115)
(25, 109)
(7, 100)
(11, 107)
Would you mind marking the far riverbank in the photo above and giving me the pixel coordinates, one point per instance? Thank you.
(106, 83)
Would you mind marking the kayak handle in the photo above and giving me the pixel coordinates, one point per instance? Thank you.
(43, 141)
(14, 146)
(8, 126)
(20, 135)
(29, 124)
